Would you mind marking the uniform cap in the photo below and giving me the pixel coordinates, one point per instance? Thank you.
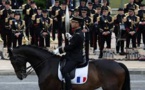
(120, 9)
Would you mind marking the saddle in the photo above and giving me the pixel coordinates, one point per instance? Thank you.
(72, 73)
(78, 75)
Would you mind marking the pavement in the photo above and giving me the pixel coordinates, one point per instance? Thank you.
(134, 66)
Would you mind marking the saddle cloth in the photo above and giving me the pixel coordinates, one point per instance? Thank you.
(81, 75)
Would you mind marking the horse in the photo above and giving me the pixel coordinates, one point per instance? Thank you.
(108, 74)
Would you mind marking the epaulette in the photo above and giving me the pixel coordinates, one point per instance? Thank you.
(138, 19)
(28, 11)
(125, 5)
(51, 21)
(38, 20)
(11, 22)
(33, 16)
(63, 18)
(115, 16)
(98, 18)
(50, 8)
(6, 20)
(56, 12)
(23, 6)
(91, 17)
(1, 12)
(23, 22)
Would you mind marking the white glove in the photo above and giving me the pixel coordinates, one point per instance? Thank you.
(56, 51)
(68, 36)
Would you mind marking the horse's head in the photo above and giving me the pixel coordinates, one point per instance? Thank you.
(18, 62)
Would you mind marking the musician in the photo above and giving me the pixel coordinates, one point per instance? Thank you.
(95, 28)
(2, 6)
(60, 17)
(105, 29)
(86, 28)
(74, 51)
(129, 5)
(131, 26)
(119, 30)
(8, 31)
(54, 12)
(36, 25)
(5, 13)
(76, 12)
(16, 4)
(96, 4)
(141, 31)
(45, 29)
(105, 5)
(82, 6)
(26, 8)
(91, 11)
(138, 2)
(31, 11)
(18, 27)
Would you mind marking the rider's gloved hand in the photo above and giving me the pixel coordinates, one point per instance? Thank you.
(68, 36)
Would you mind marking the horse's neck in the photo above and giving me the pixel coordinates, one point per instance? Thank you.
(42, 67)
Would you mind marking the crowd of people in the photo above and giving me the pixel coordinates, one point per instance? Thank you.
(37, 24)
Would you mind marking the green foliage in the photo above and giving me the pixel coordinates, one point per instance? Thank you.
(41, 3)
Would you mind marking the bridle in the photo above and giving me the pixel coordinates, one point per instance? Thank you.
(30, 68)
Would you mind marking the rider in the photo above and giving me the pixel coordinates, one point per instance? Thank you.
(74, 50)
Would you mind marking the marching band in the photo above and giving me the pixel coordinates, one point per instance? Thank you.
(37, 25)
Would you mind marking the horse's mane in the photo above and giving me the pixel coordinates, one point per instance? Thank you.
(40, 49)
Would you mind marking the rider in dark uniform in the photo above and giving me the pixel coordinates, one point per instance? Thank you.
(74, 51)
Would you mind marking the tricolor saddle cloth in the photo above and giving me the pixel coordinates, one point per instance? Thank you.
(78, 76)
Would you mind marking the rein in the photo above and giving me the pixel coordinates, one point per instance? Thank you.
(37, 66)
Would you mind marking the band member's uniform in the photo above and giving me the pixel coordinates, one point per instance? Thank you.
(106, 6)
(45, 29)
(105, 29)
(138, 2)
(54, 12)
(96, 4)
(119, 30)
(36, 25)
(5, 13)
(141, 31)
(95, 28)
(129, 5)
(2, 6)
(131, 26)
(90, 11)
(86, 26)
(31, 11)
(60, 16)
(82, 6)
(8, 30)
(18, 27)
(27, 18)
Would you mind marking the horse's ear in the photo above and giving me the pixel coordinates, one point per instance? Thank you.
(10, 52)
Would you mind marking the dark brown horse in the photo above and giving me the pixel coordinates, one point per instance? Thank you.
(107, 74)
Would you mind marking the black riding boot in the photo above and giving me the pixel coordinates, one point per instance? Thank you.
(101, 54)
(68, 85)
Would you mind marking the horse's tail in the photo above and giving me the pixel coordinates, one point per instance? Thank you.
(126, 85)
